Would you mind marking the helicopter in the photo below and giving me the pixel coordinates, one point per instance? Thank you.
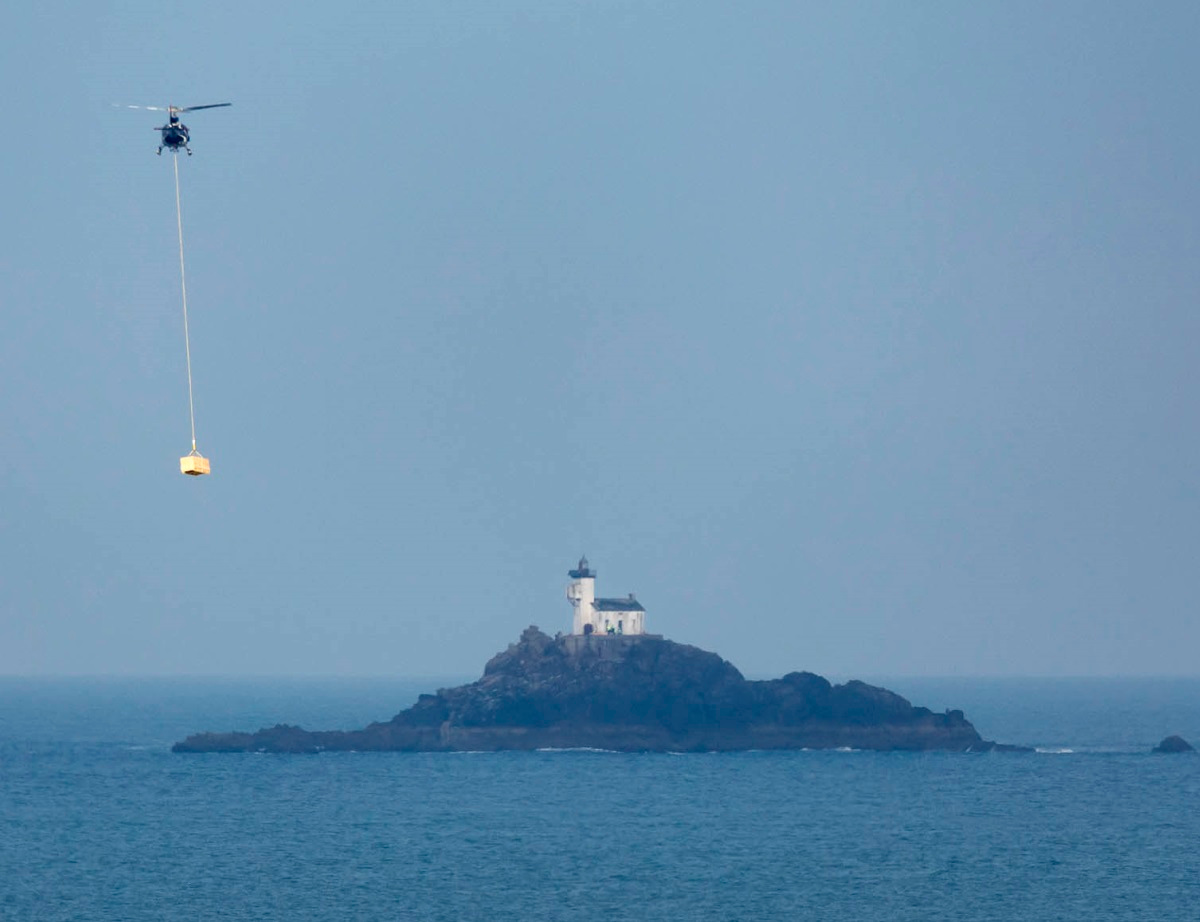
(175, 133)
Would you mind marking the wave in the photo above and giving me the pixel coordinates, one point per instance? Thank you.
(577, 749)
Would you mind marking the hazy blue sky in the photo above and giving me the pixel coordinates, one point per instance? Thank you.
(859, 338)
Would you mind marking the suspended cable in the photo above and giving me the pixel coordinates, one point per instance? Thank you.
(187, 345)
(193, 463)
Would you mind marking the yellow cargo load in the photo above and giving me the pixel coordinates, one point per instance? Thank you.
(194, 464)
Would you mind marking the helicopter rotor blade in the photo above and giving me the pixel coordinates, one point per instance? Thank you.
(118, 105)
(215, 105)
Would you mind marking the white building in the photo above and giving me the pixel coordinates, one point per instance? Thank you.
(601, 616)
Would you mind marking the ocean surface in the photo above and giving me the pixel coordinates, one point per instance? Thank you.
(99, 821)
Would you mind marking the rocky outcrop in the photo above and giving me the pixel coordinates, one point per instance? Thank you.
(629, 693)
(1173, 744)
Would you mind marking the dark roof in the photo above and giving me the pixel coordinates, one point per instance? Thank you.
(626, 604)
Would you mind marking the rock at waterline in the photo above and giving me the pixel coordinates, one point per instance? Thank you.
(1174, 744)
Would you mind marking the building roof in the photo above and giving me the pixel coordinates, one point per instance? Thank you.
(627, 604)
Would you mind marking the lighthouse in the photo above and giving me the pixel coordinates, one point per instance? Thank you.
(601, 616)
(581, 592)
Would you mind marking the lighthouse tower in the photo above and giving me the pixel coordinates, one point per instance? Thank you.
(581, 592)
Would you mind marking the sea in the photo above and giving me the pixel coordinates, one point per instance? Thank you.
(100, 821)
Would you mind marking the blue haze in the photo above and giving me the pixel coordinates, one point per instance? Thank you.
(858, 338)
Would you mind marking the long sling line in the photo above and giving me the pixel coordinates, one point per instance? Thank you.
(183, 285)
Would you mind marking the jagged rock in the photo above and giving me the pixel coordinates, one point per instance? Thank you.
(629, 693)
(1173, 744)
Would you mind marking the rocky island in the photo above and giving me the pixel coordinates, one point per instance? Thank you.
(630, 693)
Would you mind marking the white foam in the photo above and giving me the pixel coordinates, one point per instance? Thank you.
(576, 749)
